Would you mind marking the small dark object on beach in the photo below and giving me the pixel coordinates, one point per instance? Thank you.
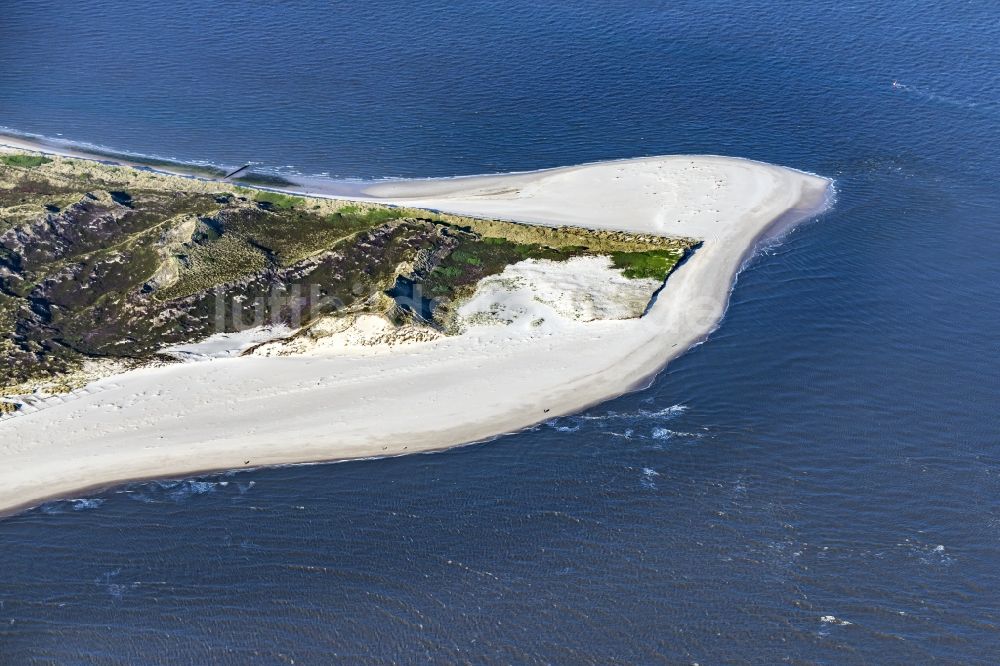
(233, 173)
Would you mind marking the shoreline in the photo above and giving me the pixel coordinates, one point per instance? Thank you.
(315, 185)
(424, 400)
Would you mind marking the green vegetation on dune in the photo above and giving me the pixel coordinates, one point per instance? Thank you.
(655, 264)
(17, 160)
(279, 200)
(102, 261)
(476, 257)
(372, 215)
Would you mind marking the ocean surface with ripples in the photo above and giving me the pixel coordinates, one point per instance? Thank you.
(817, 483)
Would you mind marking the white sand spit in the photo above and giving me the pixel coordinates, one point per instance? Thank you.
(256, 410)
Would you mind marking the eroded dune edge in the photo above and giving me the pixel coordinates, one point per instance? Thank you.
(537, 344)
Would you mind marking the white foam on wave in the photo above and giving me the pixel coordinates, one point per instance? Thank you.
(665, 413)
(648, 474)
(832, 619)
(563, 428)
(85, 504)
(633, 421)
(186, 489)
(178, 490)
(77, 504)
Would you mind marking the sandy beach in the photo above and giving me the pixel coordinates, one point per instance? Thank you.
(253, 410)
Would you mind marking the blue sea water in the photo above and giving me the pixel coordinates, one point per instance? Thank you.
(818, 483)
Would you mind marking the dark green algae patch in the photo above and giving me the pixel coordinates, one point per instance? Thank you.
(102, 261)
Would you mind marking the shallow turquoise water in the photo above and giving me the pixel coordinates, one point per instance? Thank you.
(832, 450)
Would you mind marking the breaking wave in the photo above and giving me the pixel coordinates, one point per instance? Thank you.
(79, 504)
(181, 490)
